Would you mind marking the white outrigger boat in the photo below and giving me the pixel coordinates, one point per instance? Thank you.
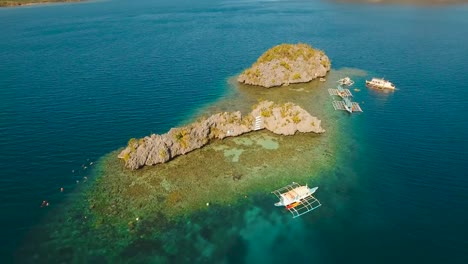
(346, 81)
(380, 83)
(297, 199)
(347, 105)
(339, 91)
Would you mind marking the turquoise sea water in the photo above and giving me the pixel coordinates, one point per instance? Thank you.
(78, 80)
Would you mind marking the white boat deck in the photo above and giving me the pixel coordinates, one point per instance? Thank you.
(340, 105)
(305, 205)
(380, 83)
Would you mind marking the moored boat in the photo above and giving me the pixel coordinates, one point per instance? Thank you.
(348, 105)
(346, 81)
(380, 83)
(297, 199)
(295, 195)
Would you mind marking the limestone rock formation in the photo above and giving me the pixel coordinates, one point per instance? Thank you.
(285, 64)
(283, 119)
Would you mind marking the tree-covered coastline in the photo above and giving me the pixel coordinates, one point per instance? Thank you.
(11, 3)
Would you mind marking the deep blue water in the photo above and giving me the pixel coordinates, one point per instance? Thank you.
(78, 80)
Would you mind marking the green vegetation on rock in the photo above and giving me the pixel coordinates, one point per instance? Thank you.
(285, 65)
(288, 51)
(266, 112)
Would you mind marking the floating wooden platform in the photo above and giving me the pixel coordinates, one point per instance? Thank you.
(337, 92)
(340, 105)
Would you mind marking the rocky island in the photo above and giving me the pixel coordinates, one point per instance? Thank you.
(286, 64)
(284, 119)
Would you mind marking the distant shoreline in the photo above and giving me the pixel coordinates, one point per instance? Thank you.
(405, 2)
(18, 3)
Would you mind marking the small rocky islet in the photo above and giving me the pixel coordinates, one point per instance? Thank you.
(286, 64)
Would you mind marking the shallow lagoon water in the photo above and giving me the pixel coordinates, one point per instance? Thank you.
(396, 193)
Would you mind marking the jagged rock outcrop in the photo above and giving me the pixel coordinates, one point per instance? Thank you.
(284, 119)
(285, 64)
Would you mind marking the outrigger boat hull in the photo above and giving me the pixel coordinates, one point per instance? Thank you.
(348, 105)
(297, 199)
(295, 195)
